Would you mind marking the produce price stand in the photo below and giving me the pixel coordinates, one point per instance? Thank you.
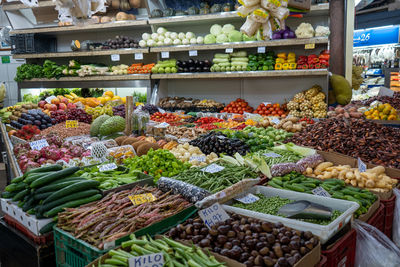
(99, 180)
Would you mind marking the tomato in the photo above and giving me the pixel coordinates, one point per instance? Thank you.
(269, 106)
(244, 104)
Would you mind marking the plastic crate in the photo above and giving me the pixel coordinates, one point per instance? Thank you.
(33, 43)
(322, 262)
(343, 253)
(389, 215)
(378, 218)
(17, 44)
(44, 239)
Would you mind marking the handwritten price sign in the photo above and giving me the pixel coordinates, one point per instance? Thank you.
(213, 215)
(71, 124)
(142, 198)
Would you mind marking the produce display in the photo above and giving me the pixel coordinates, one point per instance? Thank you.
(382, 112)
(193, 65)
(271, 110)
(199, 8)
(93, 227)
(248, 240)
(261, 61)
(120, 41)
(314, 61)
(238, 106)
(236, 61)
(193, 155)
(310, 103)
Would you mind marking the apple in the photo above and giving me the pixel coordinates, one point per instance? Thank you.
(53, 107)
(64, 100)
(47, 106)
(42, 103)
(62, 106)
(55, 101)
(71, 105)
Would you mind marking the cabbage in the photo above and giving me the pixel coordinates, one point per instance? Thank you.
(142, 43)
(181, 35)
(209, 39)
(167, 41)
(259, 35)
(193, 41)
(200, 40)
(177, 42)
(185, 41)
(247, 38)
(216, 29)
(161, 38)
(227, 28)
(222, 38)
(235, 36)
(160, 43)
(151, 42)
(161, 30)
(167, 34)
(154, 36)
(146, 36)
(173, 35)
(190, 35)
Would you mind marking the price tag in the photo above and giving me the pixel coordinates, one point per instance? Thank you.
(107, 167)
(193, 53)
(362, 167)
(267, 103)
(165, 54)
(198, 158)
(275, 120)
(108, 245)
(213, 168)
(142, 198)
(162, 125)
(148, 260)
(229, 50)
(71, 124)
(309, 46)
(213, 215)
(272, 155)
(319, 191)
(138, 56)
(39, 144)
(48, 99)
(247, 198)
(115, 57)
(261, 49)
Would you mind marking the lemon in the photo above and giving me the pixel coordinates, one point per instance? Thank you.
(108, 98)
(116, 98)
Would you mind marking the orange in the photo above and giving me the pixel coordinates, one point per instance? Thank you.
(109, 93)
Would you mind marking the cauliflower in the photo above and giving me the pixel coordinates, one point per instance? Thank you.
(322, 31)
(305, 30)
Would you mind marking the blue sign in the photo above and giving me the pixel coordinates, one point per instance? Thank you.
(376, 36)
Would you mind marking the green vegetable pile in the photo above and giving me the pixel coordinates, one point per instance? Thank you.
(261, 61)
(52, 70)
(271, 205)
(285, 156)
(28, 72)
(157, 163)
(165, 66)
(215, 182)
(336, 188)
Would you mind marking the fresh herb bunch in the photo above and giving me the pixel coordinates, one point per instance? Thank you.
(28, 71)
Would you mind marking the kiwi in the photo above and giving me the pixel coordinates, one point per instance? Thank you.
(128, 141)
(144, 148)
(120, 139)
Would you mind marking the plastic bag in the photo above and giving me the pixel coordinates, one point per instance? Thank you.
(396, 219)
(374, 248)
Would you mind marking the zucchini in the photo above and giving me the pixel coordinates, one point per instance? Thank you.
(75, 196)
(56, 186)
(6, 194)
(30, 204)
(21, 194)
(77, 187)
(17, 180)
(53, 176)
(54, 167)
(71, 204)
(41, 196)
(47, 228)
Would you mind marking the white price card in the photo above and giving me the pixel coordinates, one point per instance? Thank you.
(362, 167)
(107, 167)
(213, 168)
(39, 144)
(48, 99)
(198, 158)
(138, 56)
(165, 54)
(261, 49)
(213, 215)
(229, 50)
(193, 53)
(115, 57)
(272, 155)
(276, 120)
(149, 260)
(247, 198)
(319, 191)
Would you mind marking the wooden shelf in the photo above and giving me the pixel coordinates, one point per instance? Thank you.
(90, 27)
(195, 18)
(242, 74)
(281, 42)
(128, 51)
(13, 7)
(126, 77)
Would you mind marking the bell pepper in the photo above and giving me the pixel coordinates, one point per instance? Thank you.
(278, 66)
(325, 57)
(280, 60)
(317, 66)
(304, 66)
(291, 60)
(291, 54)
(311, 66)
(285, 66)
(292, 66)
(281, 55)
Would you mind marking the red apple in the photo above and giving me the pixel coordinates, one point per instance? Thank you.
(62, 106)
(64, 100)
(53, 107)
(42, 103)
(47, 106)
(55, 101)
(71, 105)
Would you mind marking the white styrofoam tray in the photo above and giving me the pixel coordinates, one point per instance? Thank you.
(324, 232)
(6, 206)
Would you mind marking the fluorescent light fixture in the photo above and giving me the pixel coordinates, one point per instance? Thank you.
(357, 2)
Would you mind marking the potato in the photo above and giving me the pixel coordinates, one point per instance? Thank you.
(309, 170)
(377, 170)
(370, 183)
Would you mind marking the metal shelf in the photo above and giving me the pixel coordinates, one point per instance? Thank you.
(13, 7)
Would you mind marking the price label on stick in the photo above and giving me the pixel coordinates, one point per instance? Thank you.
(71, 124)
(39, 144)
(229, 50)
(261, 49)
(362, 167)
(213, 168)
(107, 167)
(165, 54)
(272, 155)
(142, 198)
(213, 215)
(138, 56)
(267, 103)
(115, 57)
(148, 260)
(319, 191)
(193, 53)
(247, 198)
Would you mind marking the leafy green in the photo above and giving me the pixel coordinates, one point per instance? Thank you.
(28, 71)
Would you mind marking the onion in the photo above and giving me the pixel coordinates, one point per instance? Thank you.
(288, 34)
(276, 35)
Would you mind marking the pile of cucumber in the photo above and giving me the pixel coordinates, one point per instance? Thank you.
(46, 191)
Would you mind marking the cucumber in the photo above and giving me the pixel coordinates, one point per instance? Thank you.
(32, 177)
(71, 204)
(75, 196)
(77, 187)
(53, 176)
(30, 204)
(41, 196)
(54, 167)
(6, 194)
(56, 186)
(17, 180)
(15, 187)
(47, 228)
(21, 194)
(31, 211)
(66, 179)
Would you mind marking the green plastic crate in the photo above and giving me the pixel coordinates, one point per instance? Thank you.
(73, 252)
